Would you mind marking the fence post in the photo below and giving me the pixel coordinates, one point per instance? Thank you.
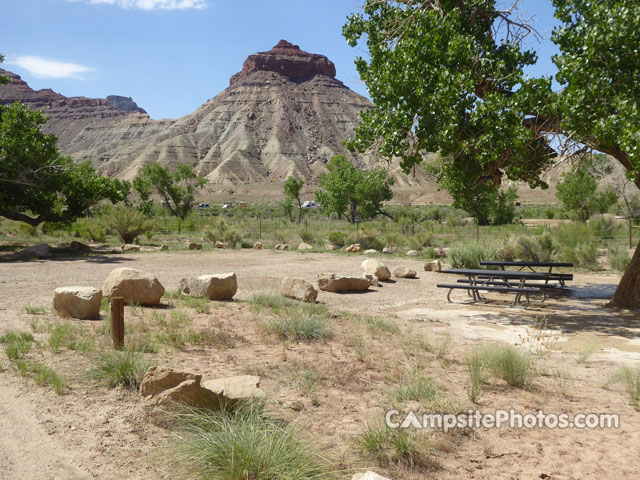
(117, 322)
(630, 235)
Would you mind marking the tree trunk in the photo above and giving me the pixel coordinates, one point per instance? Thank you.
(628, 292)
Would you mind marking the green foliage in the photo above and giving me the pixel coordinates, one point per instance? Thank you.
(339, 239)
(91, 229)
(37, 184)
(176, 188)
(630, 377)
(245, 444)
(220, 232)
(477, 368)
(388, 447)
(469, 255)
(16, 345)
(415, 386)
(115, 368)
(292, 188)
(579, 196)
(354, 193)
(128, 222)
(505, 362)
(618, 257)
(298, 328)
(370, 242)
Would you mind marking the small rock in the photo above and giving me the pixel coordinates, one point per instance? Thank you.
(77, 302)
(354, 248)
(257, 245)
(219, 244)
(373, 280)
(282, 246)
(164, 246)
(404, 272)
(297, 406)
(304, 246)
(441, 252)
(130, 248)
(388, 250)
(376, 268)
(298, 289)
(158, 379)
(328, 247)
(412, 253)
(369, 475)
(371, 250)
(35, 251)
(434, 266)
(214, 287)
(195, 246)
(79, 247)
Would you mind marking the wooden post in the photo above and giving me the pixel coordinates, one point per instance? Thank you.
(117, 322)
(630, 235)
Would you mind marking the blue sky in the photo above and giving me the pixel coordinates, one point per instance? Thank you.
(171, 56)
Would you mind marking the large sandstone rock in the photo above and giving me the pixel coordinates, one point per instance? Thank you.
(404, 272)
(194, 246)
(370, 250)
(282, 246)
(412, 253)
(354, 248)
(304, 246)
(434, 266)
(341, 283)
(134, 286)
(298, 289)
(257, 245)
(130, 248)
(35, 251)
(241, 387)
(221, 286)
(79, 247)
(158, 379)
(377, 268)
(328, 247)
(388, 250)
(77, 302)
(189, 393)
(373, 280)
(369, 475)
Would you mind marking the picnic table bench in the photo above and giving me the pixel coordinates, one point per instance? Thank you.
(496, 281)
(546, 267)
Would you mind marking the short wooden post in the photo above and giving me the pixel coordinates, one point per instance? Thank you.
(117, 322)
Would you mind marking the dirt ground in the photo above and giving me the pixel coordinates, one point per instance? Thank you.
(93, 432)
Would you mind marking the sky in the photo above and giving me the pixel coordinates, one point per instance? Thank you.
(171, 56)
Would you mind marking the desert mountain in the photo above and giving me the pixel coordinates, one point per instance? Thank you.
(283, 114)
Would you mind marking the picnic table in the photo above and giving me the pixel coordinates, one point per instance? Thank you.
(497, 281)
(547, 267)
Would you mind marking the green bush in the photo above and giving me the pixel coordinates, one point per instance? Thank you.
(535, 249)
(120, 368)
(91, 229)
(421, 240)
(395, 240)
(469, 255)
(307, 236)
(505, 362)
(583, 255)
(618, 257)
(370, 242)
(605, 226)
(128, 223)
(339, 239)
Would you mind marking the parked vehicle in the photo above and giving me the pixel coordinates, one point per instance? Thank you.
(310, 204)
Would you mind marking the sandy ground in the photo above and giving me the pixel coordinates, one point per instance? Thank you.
(100, 433)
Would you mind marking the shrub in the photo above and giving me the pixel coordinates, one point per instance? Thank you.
(17, 345)
(389, 447)
(583, 255)
(339, 239)
(535, 249)
(370, 242)
(604, 226)
(470, 255)
(618, 257)
(128, 223)
(477, 374)
(415, 386)
(631, 379)
(307, 236)
(509, 364)
(298, 328)
(27, 230)
(91, 229)
(421, 240)
(395, 240)
(124, 368)
(245, 444)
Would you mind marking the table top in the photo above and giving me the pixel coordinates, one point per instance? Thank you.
(497, 273)
(526, 264)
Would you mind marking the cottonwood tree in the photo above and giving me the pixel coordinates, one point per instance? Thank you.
(292, 188)
(354, 193)
(176, 187)
(37, 183)
(447, 76)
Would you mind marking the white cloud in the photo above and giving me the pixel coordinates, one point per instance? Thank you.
(155, 4)
(47, 68)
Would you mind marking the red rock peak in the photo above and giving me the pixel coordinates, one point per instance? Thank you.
(288, 60)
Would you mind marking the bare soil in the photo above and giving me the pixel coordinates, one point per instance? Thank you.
(94, 432)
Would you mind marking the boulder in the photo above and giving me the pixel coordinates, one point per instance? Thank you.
(214, 287)
(369, 475)
(388, 250)
(298, 289)
(354, 248)
(412, 253)
(77, 302)
(257, 245)
(404, 272)
(342, 283)
(79, 247)
(441, 252)
(304, 246)
(164, 246)
(195, 246)
(328, 247)
(433, 266)
(376, 268)
(158, 379)
(134, 286)
(128, 247)
(189, 393)
(371, 250)
(219, 244)
(282, 246)
(234, 389)
(35, 251)
(373, 280)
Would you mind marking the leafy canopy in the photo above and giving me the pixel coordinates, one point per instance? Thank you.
(37, 183)
(292, 189)
(177, 188)
(352, 192)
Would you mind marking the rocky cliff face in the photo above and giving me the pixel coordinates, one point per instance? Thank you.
(283, 114)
